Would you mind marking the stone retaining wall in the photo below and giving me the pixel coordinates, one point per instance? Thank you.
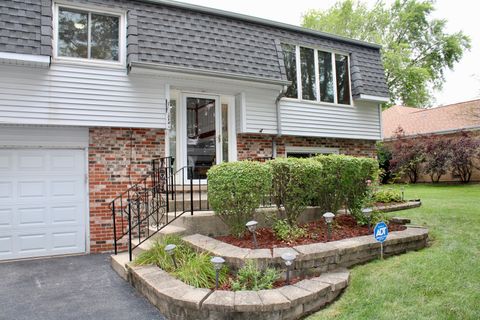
(317, 257)
(177, 300)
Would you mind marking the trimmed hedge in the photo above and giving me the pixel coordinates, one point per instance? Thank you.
(344, 180)
(236, 189)
(294, 182)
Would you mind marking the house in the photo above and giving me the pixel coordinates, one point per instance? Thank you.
(445, 121)
(92, 90)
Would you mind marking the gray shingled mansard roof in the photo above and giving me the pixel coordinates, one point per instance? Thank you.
(187, 36)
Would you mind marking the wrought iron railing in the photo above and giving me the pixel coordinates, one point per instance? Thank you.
(154, 202)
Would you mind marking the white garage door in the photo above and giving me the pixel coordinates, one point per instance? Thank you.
(42, 202)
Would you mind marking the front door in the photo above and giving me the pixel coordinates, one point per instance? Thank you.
(202, 134)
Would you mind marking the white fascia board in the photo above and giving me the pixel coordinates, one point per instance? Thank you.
(205, 75)
(29, 60)
(367, 97)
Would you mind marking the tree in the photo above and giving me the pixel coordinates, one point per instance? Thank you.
(438, 155)
(465, 150)
(416, 50)
(407, 156)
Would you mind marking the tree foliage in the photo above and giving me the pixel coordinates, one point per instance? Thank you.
(416, 49)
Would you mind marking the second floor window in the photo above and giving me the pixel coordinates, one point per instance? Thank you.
(88, 35)
(317, 75)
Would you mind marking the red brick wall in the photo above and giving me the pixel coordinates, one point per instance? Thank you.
(253, 146)
(109, 168)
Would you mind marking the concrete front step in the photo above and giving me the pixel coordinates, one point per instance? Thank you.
(181, 205)
(186, 188)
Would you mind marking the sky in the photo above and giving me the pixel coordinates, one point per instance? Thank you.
(462, 84)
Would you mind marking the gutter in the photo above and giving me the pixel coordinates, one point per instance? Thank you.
(261, 21)
(204, 72)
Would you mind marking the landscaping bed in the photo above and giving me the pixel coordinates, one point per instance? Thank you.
(345, 227)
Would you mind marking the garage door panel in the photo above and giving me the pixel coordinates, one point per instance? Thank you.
(31, 189)
(31, 160)
(6, 190)
(42, 202)
(6, 218)
(65, 240)
(32, 243)
(5, 161)
(65, 215)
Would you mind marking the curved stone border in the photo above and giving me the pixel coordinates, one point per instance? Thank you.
(177, 300)
(399, 206)
(317, 257)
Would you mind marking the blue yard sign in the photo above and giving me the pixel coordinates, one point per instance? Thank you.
(380, 232)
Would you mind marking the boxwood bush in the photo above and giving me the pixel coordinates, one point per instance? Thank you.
(344, 180)
(236, 189)
(294, 182)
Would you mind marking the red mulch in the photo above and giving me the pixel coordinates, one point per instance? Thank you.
(344, 227)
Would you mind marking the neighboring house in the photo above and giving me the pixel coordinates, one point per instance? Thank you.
(448, 121)
(92, 90)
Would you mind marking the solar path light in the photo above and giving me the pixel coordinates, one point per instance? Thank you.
(217, 265)
(288, 258)
(252, 226)
(170, 249)
(367, 212)
(328, 216)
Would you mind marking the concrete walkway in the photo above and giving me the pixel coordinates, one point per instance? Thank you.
(80, 287)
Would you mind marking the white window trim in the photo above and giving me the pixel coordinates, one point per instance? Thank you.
(311, 150)
(317, 78)
(122, 48)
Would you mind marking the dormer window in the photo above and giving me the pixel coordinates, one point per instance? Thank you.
(84, 35)
(317, 75)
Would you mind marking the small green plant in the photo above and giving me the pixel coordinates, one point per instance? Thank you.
(287, 232)
(194, 268)
(387, 196)
(251, 277)
(236, 189)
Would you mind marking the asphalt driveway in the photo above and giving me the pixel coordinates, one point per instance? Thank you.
(80, 287)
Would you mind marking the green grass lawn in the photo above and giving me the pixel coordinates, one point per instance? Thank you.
(438, 282)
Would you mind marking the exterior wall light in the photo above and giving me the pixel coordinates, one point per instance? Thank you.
(217, 265)
(288, 258)
(170, 250)
(328, 216)
(367, 212)
(252, 226)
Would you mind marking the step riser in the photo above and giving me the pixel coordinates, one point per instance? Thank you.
(185, 206)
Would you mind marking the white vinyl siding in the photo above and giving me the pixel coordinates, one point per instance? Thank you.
(261, 114)
(361, 121)
(81, 96)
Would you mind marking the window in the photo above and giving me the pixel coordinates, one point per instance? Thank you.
(88, 35)
(325, 73)
(290, 58)
(343, 79)
(323, 77)
(307, 63)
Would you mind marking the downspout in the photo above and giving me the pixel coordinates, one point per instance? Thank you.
(279, 125)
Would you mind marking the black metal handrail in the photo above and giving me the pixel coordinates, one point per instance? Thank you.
(154, 202)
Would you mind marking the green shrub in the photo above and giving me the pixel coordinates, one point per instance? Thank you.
(294, 182)
(287, 232)
(344, 180)
(250, 277)
(387, 196)
(194, 268)
(235, 190)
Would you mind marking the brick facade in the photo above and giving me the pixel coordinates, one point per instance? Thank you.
(255, 146)
(116, 157)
